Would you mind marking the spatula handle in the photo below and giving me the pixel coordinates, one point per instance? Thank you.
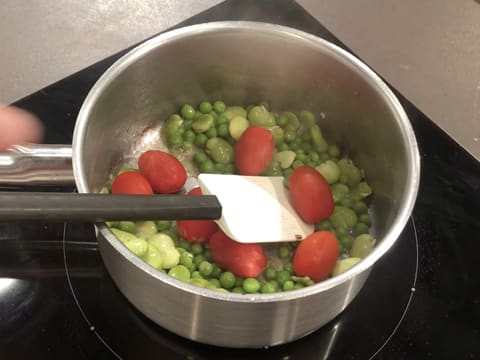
(44, 206)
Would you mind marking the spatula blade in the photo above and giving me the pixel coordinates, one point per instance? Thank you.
(255, 209)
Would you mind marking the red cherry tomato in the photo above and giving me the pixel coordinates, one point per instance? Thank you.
(245, 260)
(131, 182)
(254, 150)
(163, 171)
(316, 255)
(196, 231)
(310, 194)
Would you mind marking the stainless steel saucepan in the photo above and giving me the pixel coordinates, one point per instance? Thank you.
(242, 63)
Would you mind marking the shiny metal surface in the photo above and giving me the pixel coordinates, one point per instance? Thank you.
(251, 62)
(37, 165)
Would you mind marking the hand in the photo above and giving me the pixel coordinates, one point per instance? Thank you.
(18, 126)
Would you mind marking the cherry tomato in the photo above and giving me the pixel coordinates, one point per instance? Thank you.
(131, 182)
(196, 231)
(254, 150)
(310, 194)
(316, 255)
(245, 260)
(163, 171)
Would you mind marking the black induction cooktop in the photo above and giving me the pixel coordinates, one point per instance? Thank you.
(421, 301)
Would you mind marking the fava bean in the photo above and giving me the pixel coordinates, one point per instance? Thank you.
(173, 125)
(362, 246)
(153, 257)
(329, 170)
(220, 150)
(128, 226)
(260, 116)
(343, 217)
(285, 158)
(317, 139)
(203, 123)
(233, 111)
(145, 229)
(350, 172)
(344, 264)
(237, 126)
(307, 119)
(135, 244)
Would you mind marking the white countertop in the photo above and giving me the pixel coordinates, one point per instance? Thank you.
(429, 50)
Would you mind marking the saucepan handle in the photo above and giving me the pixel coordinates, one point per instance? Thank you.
(37, 164)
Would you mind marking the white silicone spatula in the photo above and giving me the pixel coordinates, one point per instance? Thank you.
(255, 209)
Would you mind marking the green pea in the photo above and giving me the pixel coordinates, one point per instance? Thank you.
(219, 168)
(208, 254)
(347, 202)
(323, 225)
(163, 224)
(205, 107)
(274, 283)
(283, 147)
(173, 125)
(186, 145)
(200, 157)
(350, 171)
(360, 207)
(339, 191)
(207, 167)
(233, 111)
(126, 169)
(128, 226)
(304, 280)
(188, 112)
(221, 119)
(282, 276)
(229, 169)
(212, 132)
(205, 268)
(362, 246)
(182, 244)
(306, 136)
(196, 275)
(216, 272)
(219, 106)
(187, 125)
(186, 259)
(346, 241)
(175, 140)
(153, 257)
(329, 170)
(323, 156)
(238, 290)
(260, 116)
(135, 244)
(297, 163)
(289, 136)
(223, 130)
(343, 217)
(307, 147)
(203, 123)
(251, 285)
(273, 169)
(360, 228)
(283, 252)
(333, 151)
(198, 259)
(189, 135)
(307, 119)
(180, 272)
(317, 139)
(112, 224)
(298, 286)
(292, 121)
(227, 280)
(270, 273)
(268, 288)
(294, 146)
(314, 156)
(288, 285)
(288, 267)
(220, 150)
(365, 218)
(197, 249)
(201, 140)
(344, 264)
(278, 135)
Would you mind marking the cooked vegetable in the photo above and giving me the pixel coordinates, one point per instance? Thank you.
(316, 255)
(245, 260)
(131, 182)
(254, 151)
(310, 194)
(163, 171)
